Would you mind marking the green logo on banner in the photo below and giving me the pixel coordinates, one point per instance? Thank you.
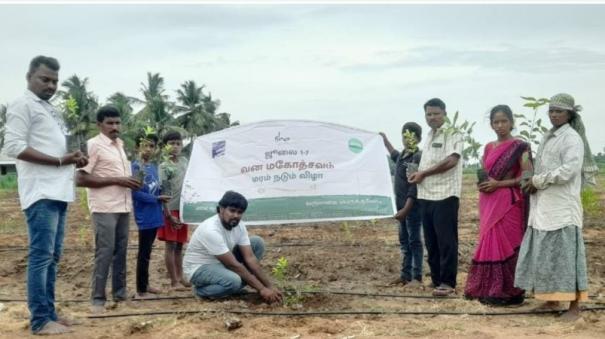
(355, 145)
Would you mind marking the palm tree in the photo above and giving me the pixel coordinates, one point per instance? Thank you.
(124, 105)
(191, 114)
(197, 111)
(80, 107)
(156, 112)
(221, 120)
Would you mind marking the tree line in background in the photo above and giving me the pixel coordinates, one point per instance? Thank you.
(193, 113)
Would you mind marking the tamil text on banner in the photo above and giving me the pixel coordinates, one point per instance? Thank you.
(290, 171)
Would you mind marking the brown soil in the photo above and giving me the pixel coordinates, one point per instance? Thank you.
(356, 257)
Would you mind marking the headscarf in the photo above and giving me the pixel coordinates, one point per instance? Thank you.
(589, 166)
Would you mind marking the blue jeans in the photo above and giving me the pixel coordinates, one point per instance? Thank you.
(410, 244)
(216, 281)
(45, 224)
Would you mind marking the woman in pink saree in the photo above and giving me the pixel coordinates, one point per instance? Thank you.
(502, 211)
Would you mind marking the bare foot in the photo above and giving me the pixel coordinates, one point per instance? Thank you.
(65, 321)
(97, 309)
(570, 315)
(153, 290)
(414, 284)
(144, 296)
(52, 328)
(177, 288)
(185, 283)
(397, 282)
(548, 306)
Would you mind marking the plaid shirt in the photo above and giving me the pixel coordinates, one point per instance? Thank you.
(441, 186)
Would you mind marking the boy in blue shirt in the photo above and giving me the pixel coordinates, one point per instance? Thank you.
(147, 203)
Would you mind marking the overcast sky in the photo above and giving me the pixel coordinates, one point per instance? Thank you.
(365, 66)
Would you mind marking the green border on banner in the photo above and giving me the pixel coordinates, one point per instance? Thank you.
(297, 208)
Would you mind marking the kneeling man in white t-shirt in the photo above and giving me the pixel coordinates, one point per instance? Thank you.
(221, 259)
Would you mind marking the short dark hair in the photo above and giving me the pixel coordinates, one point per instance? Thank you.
(49, 62)
(233, 199)
(414, 128)
(171, 135)
(435, 102)
(148, 137)
(107, 111)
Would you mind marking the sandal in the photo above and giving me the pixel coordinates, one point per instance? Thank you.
(443, 291)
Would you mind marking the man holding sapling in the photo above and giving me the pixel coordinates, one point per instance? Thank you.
(36, 136)
(439, 180)
(109, 181)
(408, 211)
(221, 259)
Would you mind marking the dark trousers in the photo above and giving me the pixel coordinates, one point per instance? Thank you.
(440, 225)
(411, 246)
(146, 239)
(111, 244)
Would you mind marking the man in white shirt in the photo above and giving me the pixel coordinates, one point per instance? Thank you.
(439, 180)
(221, 258)
(36, 136)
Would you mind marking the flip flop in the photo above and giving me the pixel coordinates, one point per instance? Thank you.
(443, 291)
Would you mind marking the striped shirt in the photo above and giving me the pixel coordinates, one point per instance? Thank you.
(440, 145)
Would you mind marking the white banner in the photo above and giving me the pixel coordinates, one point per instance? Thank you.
(290, 171)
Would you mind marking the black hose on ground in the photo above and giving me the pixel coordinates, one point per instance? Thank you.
(335, 313)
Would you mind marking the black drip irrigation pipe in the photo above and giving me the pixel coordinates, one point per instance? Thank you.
(360, 294)
(336, 313)
(386, 295)
(269, 246)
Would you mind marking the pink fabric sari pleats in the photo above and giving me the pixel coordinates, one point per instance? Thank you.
(502, 224)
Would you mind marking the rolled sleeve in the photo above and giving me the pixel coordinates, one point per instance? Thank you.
(571, 164)
(17, 126)
(93, 157)
(456, 146)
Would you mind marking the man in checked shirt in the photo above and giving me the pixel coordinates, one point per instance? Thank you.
(439, 180)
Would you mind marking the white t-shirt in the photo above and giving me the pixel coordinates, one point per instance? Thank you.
(210, 239)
